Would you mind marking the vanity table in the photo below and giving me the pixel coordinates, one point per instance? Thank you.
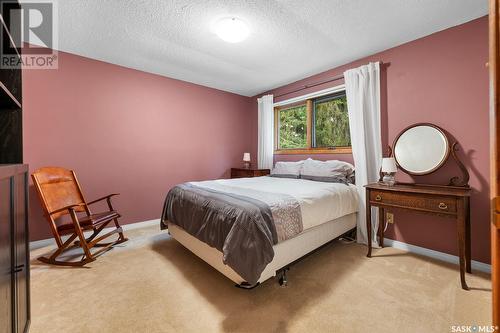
(434, 200)
(419, 150)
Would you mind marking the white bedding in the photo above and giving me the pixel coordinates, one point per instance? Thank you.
(320, 202)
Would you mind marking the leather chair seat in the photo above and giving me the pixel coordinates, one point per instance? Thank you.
(88, 222)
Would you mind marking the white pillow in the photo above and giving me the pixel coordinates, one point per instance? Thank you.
(332, 168)
(287, 169)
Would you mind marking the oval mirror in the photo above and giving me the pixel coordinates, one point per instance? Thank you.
(421, 149)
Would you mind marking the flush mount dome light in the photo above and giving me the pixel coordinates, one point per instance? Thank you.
(231, 29)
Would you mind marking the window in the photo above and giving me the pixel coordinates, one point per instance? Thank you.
(293, 127)
(331, 122)
(319, 125)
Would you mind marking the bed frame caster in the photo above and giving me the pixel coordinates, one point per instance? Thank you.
(283, 281)
(246, 285)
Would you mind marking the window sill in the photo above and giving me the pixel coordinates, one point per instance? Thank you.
(305, 151)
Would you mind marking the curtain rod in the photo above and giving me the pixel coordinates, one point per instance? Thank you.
(335, 78)
(307, 86)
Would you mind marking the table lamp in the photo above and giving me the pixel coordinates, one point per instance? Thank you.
(246, 160)
(389, 169)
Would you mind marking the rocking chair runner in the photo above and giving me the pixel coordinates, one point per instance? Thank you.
(60, 194)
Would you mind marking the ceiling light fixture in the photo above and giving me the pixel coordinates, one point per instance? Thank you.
(231, 29)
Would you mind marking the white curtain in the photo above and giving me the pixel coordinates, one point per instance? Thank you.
(363, 103)
(266, 132)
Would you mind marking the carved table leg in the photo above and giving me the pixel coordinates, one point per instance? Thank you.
(368, 223)
(381, 226)
(462, 231)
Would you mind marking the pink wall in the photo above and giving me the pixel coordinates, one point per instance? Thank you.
(129, 132)
(441, 79)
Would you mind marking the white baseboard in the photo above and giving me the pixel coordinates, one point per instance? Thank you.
(41, 243)
(137, 225)
(50, 241)
(476, 265)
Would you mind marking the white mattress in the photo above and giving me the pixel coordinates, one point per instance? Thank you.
(320, 202)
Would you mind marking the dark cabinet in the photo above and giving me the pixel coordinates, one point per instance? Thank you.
(11, 135)
(14, 254)
(14, 250)
(5, 258)
(11, 79)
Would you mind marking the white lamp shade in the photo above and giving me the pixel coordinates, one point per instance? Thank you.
(246, 157)
(389, 165)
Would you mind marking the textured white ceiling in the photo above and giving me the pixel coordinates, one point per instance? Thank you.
(289, 40)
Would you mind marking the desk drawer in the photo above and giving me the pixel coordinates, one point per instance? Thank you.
(422, 202)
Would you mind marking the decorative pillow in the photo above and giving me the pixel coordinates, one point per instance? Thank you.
(287, 169)
(349, 168)
(334, 171)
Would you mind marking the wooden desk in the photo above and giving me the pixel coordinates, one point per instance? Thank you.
(447, 201)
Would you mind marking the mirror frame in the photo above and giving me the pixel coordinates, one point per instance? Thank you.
(443, 161)
(455, 181)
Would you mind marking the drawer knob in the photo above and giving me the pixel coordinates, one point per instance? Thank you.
(378, 197)
(442, 206)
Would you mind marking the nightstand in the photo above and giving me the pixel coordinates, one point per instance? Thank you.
(246, 173)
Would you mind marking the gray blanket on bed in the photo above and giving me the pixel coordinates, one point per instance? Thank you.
(242, 228)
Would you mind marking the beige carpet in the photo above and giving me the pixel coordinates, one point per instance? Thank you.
(153, 284)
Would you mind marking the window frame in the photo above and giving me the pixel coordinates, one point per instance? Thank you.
(310, 121)
(277, 124)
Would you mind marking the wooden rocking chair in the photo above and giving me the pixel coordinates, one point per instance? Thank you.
(60, 194)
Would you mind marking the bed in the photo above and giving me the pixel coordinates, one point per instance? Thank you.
(251, 228)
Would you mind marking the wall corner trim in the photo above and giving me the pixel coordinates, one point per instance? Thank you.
(476, 265)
